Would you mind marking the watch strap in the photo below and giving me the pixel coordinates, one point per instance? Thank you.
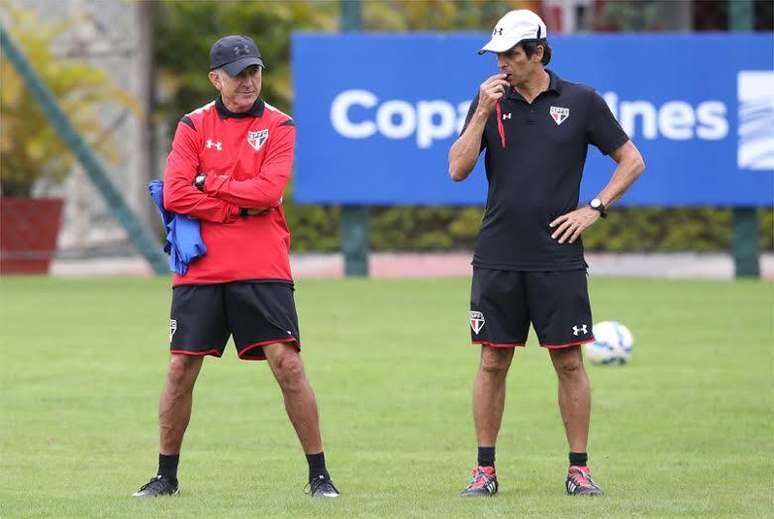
(199, 181)
(600, 208)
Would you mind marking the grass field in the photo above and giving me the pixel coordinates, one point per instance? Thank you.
(686, 429)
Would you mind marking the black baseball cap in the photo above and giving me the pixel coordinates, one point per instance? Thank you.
(235, 53)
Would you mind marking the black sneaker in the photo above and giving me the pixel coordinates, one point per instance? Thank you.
(484, 483)
(158, 486)
(579, 482)
(322, 486)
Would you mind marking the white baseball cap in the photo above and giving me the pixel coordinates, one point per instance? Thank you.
(518, 25)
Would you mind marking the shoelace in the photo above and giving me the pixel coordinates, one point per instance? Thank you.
(479, 478)
(582, 478)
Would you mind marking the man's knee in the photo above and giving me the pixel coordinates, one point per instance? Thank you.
(183, 370)
(289, 370)
(495, 362)
(569, 365)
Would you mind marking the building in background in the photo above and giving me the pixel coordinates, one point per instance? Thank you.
(114, 36)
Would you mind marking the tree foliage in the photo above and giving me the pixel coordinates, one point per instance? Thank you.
(30, 147)
(185, 31)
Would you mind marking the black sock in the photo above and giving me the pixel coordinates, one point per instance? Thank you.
(486, 456)
(579, 459)
(316, 465)
(168, 465)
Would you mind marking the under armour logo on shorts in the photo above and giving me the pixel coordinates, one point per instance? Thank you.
(577, 330)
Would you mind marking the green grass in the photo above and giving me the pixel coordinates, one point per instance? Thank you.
(686, 429)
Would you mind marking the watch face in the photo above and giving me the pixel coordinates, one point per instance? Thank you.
(595, 203)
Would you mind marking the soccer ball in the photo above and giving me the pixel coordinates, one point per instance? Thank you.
(612, 344)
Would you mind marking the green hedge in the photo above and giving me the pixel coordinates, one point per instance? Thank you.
(316, 228)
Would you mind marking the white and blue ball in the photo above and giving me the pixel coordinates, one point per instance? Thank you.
(613, 343)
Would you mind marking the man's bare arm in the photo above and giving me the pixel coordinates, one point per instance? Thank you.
(630, 167)
(569, 226)
(466, 149)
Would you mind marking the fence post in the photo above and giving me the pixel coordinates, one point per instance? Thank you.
(354, 218)
(744, 243)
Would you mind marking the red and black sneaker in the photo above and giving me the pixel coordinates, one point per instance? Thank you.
(579, 482)
(484, 483)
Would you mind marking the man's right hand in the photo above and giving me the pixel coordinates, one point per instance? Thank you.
(263, 212)
(491, 91)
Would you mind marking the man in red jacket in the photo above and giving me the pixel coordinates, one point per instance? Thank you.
(230, 162)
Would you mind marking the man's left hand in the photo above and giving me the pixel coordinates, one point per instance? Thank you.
(259, 212)
(569, 227)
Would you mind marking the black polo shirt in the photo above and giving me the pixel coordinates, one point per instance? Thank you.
(534, 162)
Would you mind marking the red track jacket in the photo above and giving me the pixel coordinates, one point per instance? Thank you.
(247, 158)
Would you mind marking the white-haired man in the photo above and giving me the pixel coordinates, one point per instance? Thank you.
(229, 165)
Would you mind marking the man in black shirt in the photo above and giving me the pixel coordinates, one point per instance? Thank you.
(528, 264)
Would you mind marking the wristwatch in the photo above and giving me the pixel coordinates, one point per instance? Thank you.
(597, 205)
(199, 181)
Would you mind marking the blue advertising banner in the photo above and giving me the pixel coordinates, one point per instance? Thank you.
(376, 115)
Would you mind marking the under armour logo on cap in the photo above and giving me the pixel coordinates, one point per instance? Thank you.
(514, 27)
(239, 50)
(234, 54)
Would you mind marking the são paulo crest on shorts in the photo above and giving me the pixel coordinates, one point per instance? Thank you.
(172, 328)
(476, 321)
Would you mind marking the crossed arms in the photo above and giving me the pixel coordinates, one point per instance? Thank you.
(223, 197)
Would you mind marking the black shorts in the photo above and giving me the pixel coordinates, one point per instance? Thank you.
(256, 313)
(503, 303)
